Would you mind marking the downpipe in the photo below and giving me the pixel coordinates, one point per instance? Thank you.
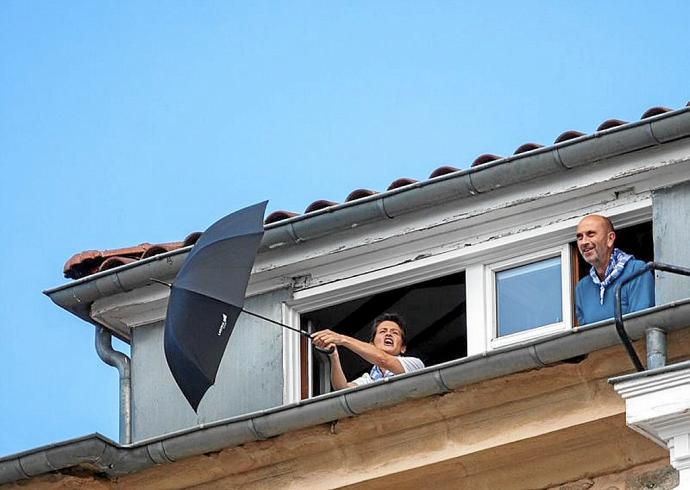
(121, 362)
(656, 347)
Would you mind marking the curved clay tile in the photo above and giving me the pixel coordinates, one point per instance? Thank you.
(134, 251)
(568, 135)
(446, 169)
(527, 147)
(320, 204)
(401, 182)
(485, 158)
(160, 248)
(87, 263)
(113, 262)
(278, 216)
(76, 260)
(359, 194)
(611, 123)
(654, 111)
(191, 239)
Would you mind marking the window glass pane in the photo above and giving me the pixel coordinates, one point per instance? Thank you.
(529, 296)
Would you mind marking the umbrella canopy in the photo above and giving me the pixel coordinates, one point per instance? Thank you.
(206, 298)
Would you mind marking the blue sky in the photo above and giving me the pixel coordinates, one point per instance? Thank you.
(127, 122)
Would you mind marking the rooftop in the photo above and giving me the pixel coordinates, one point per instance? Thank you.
(92, 261)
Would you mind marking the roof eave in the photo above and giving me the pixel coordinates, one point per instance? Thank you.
(78, 296)
(114, 460)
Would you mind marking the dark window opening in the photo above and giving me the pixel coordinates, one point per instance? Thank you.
(436, 324)
(637, 240)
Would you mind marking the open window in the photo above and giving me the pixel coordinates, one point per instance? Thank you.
(637, 240)
(436, 325)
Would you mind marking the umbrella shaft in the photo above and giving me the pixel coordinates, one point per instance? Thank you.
(301, 332)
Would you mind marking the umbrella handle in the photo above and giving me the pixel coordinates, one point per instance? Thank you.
(324, 351)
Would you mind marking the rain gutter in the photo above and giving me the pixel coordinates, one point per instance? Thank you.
(77, 296)
(111, 459)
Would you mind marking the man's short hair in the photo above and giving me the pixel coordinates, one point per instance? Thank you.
(390, 317)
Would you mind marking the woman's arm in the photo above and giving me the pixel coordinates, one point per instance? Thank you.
(388, 362)
(338, 380)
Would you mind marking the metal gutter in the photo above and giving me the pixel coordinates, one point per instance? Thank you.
(77, 296)
(115, 460)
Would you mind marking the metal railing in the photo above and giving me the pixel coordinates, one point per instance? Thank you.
(620, 327)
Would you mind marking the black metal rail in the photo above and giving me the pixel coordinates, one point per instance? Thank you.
(620, 328)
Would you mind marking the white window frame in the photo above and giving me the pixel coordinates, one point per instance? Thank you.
(491, 303)
(479, 263)
(291, 355)
(349, 289)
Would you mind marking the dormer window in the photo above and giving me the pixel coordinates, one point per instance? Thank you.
(436, 325)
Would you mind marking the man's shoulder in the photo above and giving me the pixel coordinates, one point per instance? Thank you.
(633, 266)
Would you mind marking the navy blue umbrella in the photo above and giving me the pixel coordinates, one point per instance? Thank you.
(206, 298)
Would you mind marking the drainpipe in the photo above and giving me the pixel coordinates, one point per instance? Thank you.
(656, 348)
(121, 362)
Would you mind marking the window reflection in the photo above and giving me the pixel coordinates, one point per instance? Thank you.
(529, 296)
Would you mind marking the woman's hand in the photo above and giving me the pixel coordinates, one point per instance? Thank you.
(327, 340)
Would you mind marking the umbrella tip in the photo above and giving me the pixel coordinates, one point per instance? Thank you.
(160, 282)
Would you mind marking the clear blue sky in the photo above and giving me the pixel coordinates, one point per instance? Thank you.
(124, 122)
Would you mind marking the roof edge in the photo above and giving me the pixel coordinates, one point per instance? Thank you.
(77, 296)
(115, 460)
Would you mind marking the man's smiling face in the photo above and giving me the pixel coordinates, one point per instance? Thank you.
(389, 338)
(595, 241)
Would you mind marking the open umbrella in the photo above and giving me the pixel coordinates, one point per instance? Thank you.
(206, 298)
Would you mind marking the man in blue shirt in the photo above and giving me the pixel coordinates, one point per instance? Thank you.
(595, 293)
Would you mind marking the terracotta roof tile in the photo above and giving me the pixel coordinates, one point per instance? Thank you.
(320, 204)
(446, 169)
(654, 111)
(92, 261)
(191, 239)
(401, 182)
(359, 194)
(161, 248)
(610, 123)
(276, 216)
(485, 158)
(78, 261)
(527, 147)
(113, 262)
(89, 262)
(568, 135)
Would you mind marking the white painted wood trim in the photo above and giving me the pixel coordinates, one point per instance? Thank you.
(291, 355)
(477, 333)
(658, 407)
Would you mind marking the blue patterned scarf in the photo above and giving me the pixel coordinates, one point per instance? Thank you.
(613, 270)
(376, 373)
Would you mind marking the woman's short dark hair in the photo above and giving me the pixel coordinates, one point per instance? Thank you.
(390, 317)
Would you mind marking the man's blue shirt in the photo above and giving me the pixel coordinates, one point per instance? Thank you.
(636, 295)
